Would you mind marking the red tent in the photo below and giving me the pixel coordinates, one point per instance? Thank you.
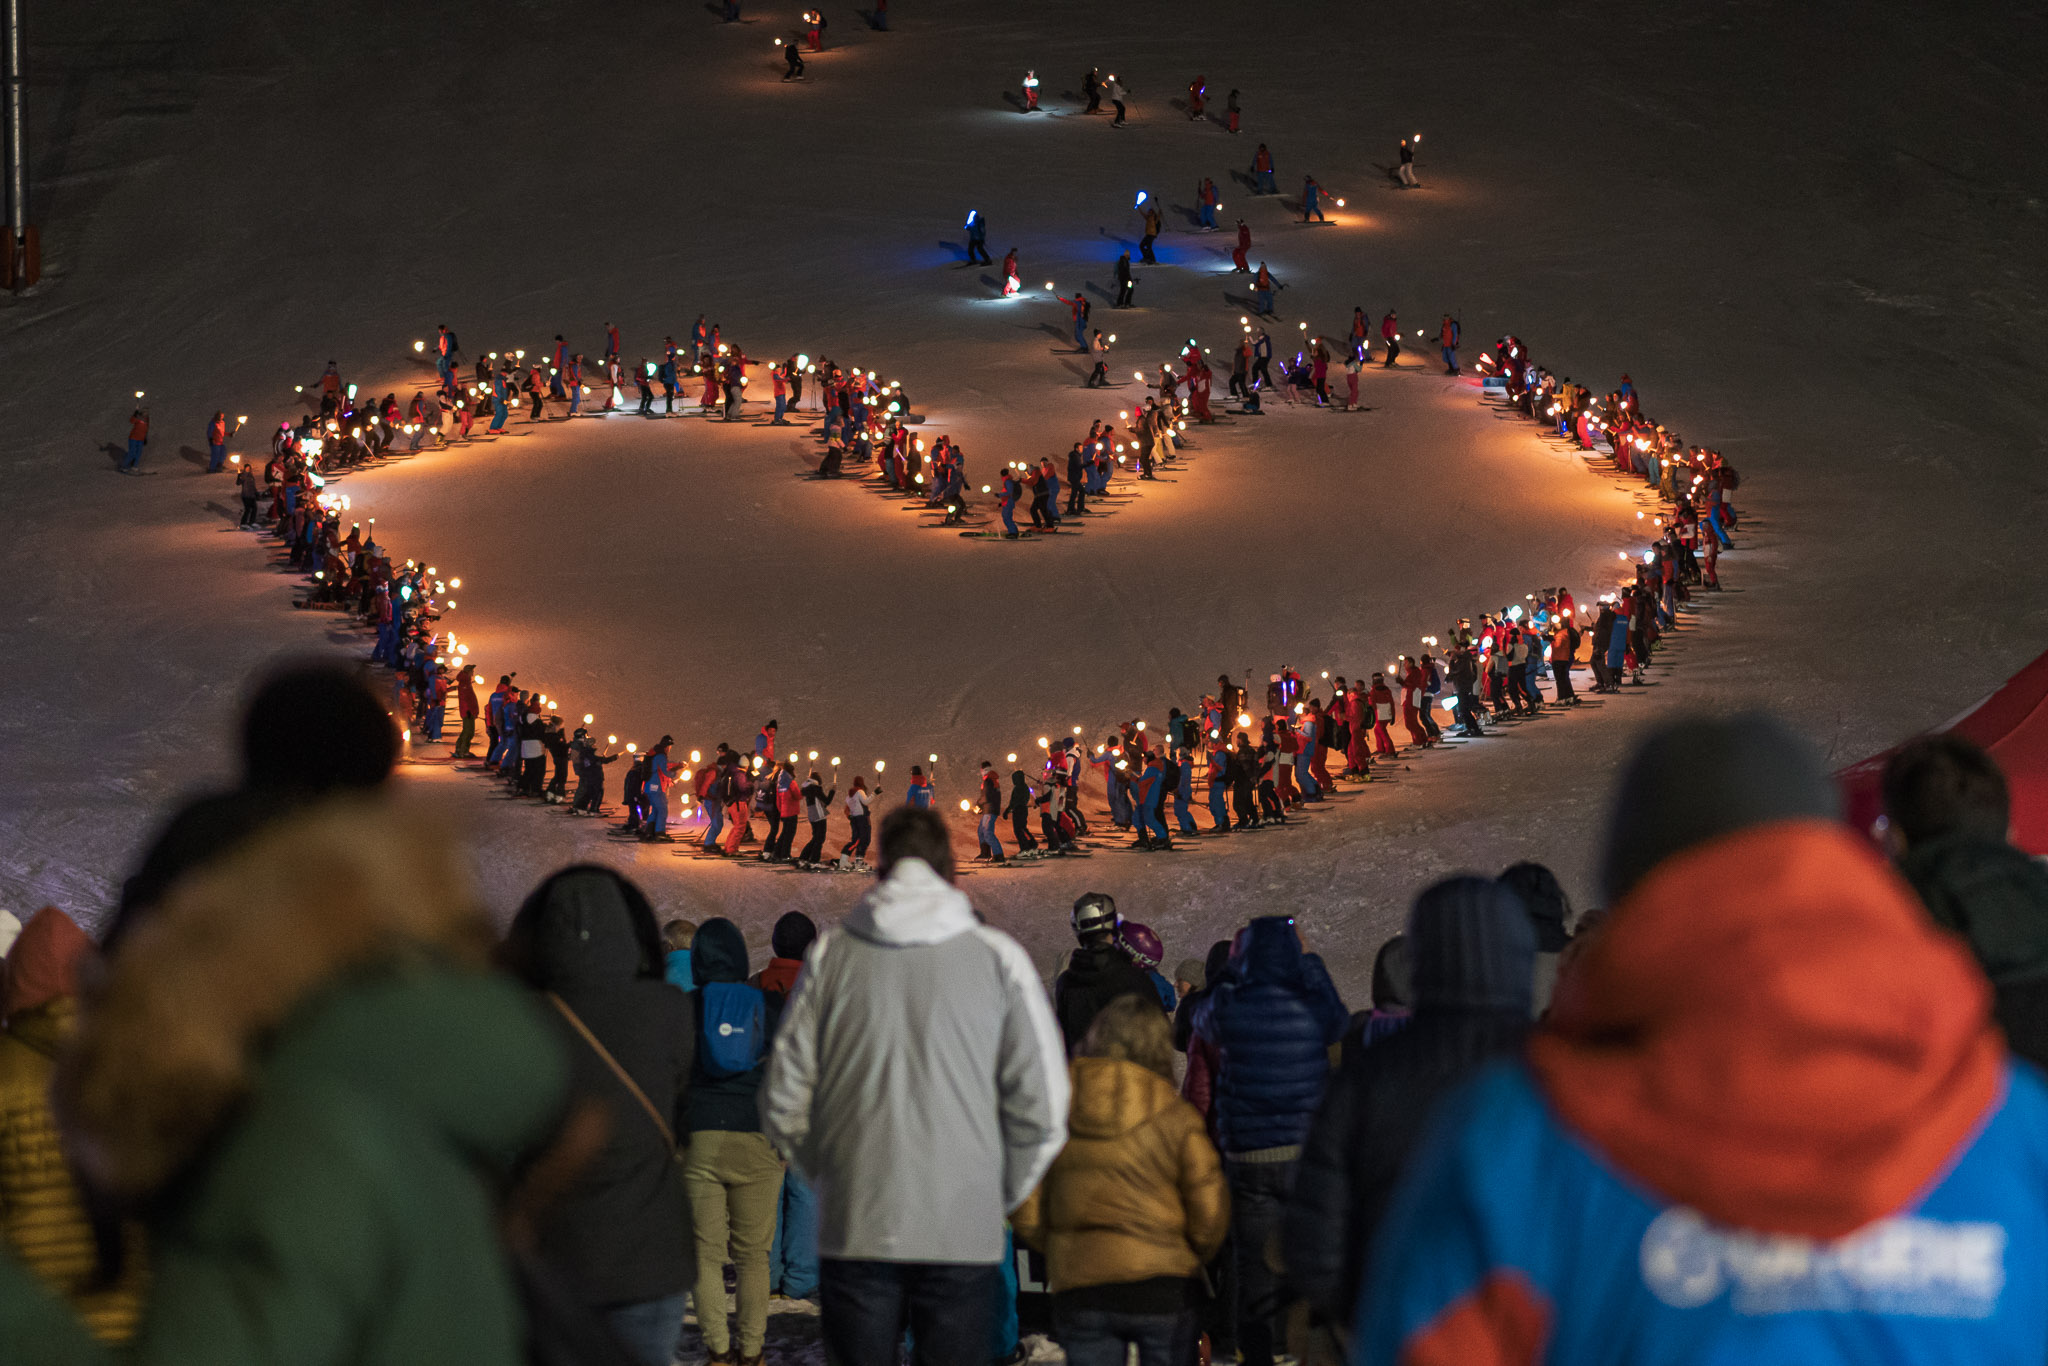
(2012, 724)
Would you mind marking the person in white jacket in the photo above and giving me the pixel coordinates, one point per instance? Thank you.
(919, 1085)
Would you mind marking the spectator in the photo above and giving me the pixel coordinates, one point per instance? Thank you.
(1471, 943)
(1184, 1018)
(10, 930)
(1949, 812)
(1188, 978)
(1767, 1049)
(586, 938)
(1098, 972)
(676, 938)
(793, 1256)
(300, 1067)
(733, 1174)
(1271, 1020)
(918, 1085)
(1393, 993)
(1134, 1204)
(1550, 911)
(43, 1215)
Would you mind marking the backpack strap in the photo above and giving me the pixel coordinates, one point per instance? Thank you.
(625, 1078)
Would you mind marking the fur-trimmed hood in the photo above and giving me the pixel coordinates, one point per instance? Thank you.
(200, 986)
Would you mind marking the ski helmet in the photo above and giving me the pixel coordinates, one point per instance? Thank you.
(1094, 913)
(1140, 945)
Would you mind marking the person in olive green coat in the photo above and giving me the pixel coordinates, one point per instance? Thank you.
(302, 1071)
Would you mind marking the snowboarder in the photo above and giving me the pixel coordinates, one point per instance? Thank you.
(1152, 225)
(1091, 85)
(1124, 283)
(1099, 376)
(1031, 92)
(1406, 174)
(792, 61)
(1312, 201)
(977, 239)
(1239, 262)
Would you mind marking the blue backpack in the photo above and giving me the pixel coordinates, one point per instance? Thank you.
(735, 1036)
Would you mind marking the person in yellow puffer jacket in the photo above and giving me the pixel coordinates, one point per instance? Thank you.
(1134, 1205)
(42, 1215)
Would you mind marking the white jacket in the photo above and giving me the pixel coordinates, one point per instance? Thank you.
(918, 1080)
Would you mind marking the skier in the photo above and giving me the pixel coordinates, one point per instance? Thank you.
(573, 379)
(611, 342)
(977, 239)
(1099, 376)
(501, 380)
(1011, 284)
(919, 793)
(1091, 85)
(217, 443)
(988, 806)
(1239, 261)
(1207, 203)
(558, 361)
(1381, 699)
(1031, 92)
(1231, 112)
(1390, 333)
(1447, 336)
(1198, 90)
(1077, 481)
(1407, 171)
(1262, 292)
(1081, 309)
(816, 32)
(1006, 504)
(1312, 201)
(1262, 358)
(138, 437)
(1124, 283)
(250, 490)
(1116, 97)
(1262, 171)
(792, 62)
(444, 354)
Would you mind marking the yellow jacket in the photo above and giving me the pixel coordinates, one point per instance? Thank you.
(42, 1218)
(1138, 1191)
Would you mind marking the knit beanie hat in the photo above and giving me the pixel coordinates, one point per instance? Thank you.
(793, 935)
(1549, 908)
(1472, 946)
(1698, 779)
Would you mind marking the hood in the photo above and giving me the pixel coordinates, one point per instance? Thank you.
(794, 934)
(1217, 960)
(43, 963)
(234, 949)
(780, 975)
(1112, 1097)
(1393, 975)
(912, 905)
(1992, 894)
(1473, 948)
(719, 953)
(1770, 1031)
(585, 926)
(1549, 908)
(1267, 950)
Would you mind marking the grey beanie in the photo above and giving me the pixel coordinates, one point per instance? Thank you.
(1698, 779)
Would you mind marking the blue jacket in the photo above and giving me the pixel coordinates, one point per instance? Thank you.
(1504, 1203)
(1271, 1018)
(676, 968)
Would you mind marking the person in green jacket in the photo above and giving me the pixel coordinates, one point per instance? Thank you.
(303, 1074)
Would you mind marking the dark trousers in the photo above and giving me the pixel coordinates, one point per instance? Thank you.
(774, 833)
(1468, 711)
(1258, 1194)
(1123, 294)
(781, 842)
(1561, 670)
(866, 1306)
(977, 253)
(1145, 249)
(815, 849)
(248, 512)
(1101, 1337)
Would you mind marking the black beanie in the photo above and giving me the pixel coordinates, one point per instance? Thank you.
(317, 727)
(1549, 907)
(1472, 947)
(793, 936)
(1695, 780)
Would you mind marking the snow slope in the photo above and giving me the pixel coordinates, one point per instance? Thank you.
(1813, 239)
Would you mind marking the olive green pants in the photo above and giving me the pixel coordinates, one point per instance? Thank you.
(734, 1182)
